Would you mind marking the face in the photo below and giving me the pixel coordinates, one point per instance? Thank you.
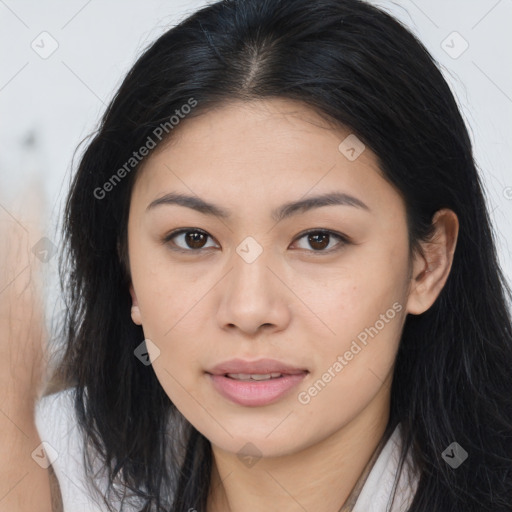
(321, 290)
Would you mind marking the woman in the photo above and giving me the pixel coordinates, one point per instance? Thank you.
(283, 285)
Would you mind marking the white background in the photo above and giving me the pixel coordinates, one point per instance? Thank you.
(47, 106)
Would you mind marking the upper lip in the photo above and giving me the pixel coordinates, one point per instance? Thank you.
(259, 367)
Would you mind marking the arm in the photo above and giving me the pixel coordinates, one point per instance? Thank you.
(24, 484)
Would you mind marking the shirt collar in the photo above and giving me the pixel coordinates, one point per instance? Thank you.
(379, 485)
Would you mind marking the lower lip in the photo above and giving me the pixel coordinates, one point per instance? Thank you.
(254, 393)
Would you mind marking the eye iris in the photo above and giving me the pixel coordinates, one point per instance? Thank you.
(313, 240)
(195, 239)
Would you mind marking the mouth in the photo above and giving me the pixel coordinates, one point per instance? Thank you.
(254, 376)
(256, 383)
(264, 368)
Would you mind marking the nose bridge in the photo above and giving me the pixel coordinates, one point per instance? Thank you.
(250, 263)
(252, 295)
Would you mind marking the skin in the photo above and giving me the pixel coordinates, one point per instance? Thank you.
(24, 484)
(293, 303)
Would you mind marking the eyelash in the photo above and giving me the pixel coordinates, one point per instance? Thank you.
(343, 240)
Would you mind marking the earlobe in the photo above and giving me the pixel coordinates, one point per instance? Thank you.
(432, 268)
(135, 311)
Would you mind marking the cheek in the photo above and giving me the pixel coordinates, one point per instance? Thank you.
(365, 324)
(362, 308)
(169, 306)
(352, 365)
(353, 296)
(172, 324)
(166, 294)
(170, 316)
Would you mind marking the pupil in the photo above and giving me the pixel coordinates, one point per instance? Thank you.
(195, 239)
(313, 240)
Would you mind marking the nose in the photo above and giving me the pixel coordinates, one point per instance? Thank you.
(254, 297)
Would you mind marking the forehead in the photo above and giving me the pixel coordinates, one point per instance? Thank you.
(262, 152)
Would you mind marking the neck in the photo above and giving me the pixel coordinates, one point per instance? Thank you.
(326, 476)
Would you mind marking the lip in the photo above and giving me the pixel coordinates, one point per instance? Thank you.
(252, 393)
(260, 366)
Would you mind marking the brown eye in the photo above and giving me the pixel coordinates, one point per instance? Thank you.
(195, 240)
(189, 240)
(319, 240)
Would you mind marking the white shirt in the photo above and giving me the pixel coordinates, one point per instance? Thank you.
(57, 426)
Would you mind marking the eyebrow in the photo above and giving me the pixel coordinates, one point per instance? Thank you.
(282, 212)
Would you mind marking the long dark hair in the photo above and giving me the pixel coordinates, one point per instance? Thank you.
(360, 68)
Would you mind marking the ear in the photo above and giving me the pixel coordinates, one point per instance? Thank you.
(430, 270)
(136, 316)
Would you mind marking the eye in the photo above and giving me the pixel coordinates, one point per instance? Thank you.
(192, 239)
(319, 239)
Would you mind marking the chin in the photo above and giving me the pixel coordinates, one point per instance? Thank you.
(257, 442)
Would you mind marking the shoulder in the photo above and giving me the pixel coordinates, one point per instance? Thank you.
(57, 427)
(58, 405)
(63, 444)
